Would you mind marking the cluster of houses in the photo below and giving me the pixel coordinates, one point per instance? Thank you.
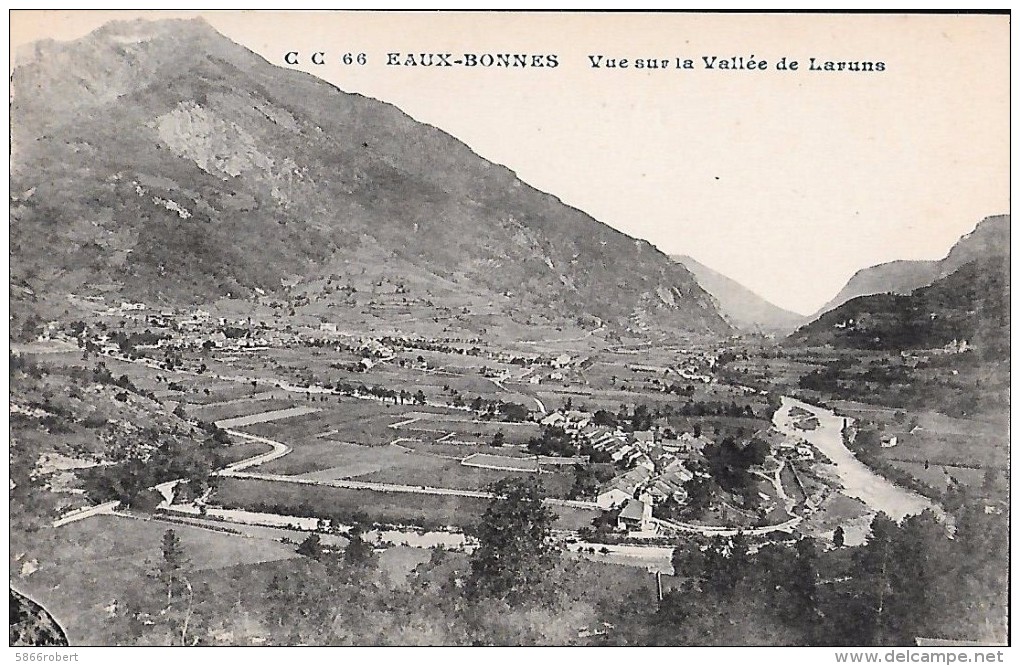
(655, 467)
(954, 346)
(559, 367)
(957, 347)
(688, 370)
(796, 450)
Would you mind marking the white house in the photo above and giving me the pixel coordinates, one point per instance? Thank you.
(553, 419)
(622, 452)
(636, 515)
(805, 453)
(561, 361)
(612, 497)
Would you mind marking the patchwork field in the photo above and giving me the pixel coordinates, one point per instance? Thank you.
(347, 420)
(327, 461)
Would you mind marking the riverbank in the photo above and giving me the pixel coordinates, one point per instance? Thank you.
(859, 481)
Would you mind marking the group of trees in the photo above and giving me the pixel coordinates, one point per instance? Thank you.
(491, 410)
(907, 580)
(357, 554)
(638, 417)
(127, 341)
(553, 441)
(588, 478)
(730, 462)
(137, 464)
(700, 408)
(643, 417)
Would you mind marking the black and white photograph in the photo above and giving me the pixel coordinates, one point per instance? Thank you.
(510, 328)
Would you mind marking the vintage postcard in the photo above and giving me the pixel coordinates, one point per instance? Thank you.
(510, 329)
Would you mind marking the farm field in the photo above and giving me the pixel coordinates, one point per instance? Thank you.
(790, 485)
(466, 430)
(267, 416)
(940, 477)
(955, 450)
(244, 406)
(441, 473)
(839, 510)
(927, 420)
(381, 507)
(326, 460)
(242, 449)
(459, 451)
(351, 420)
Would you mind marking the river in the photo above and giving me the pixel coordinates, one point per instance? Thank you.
(858, 479)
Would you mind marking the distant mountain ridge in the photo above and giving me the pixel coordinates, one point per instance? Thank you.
(969, 308)
(989, 238)
(163, 159)
(963, 297)
(739, 305)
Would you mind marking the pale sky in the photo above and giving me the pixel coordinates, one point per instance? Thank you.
(788, 182)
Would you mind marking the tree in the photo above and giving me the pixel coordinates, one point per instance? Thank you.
(872, 578)
(554, 441)
(729, 463)
(299, 609)
(838, 537)
(498, 439)
(586, 482)
(802, 587)
(311, 547)
(170, 570)
(699, 496)
(514, 552)
(359, 553)
(167, 615)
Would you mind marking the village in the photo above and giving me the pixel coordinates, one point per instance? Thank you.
(630, 469)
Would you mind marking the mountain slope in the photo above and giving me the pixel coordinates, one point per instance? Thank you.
(164, 159)
(970, 304)
(990, 237)
(741, 306)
